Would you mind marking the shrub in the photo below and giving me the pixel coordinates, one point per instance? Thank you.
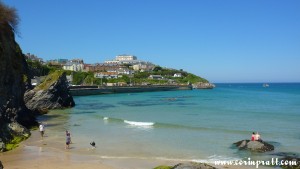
(8, 15)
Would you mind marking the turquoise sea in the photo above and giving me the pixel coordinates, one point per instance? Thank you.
(198, 125)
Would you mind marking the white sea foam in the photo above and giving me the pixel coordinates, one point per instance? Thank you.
(105, 118)
(213, 158)
(135, 123)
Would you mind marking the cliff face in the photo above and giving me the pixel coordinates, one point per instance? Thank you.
(12, 80)
(12, 85)
(53, 93)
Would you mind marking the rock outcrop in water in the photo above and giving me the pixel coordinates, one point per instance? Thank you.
(53, 93)
(290, 159)
(256, 146)
(292, 162)
(189, 165)
(13, 77)
(193, 166)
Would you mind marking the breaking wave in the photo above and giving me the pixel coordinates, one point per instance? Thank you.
(135, 123)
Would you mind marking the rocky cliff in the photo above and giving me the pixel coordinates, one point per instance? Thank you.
(53, 93)
(12, 87)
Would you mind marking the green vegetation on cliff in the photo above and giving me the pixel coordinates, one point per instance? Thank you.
(50, 79)
(169, 75)
(14, 143)
(88, 78)
(37, 69)
(138, 78)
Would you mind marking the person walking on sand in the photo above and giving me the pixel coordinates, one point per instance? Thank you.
(68, 134)
(68, 141)
(42, 129)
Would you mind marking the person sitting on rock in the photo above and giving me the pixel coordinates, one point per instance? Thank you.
(257, 137)
(253, 137)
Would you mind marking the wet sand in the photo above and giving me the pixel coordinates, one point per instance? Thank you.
(50, 153)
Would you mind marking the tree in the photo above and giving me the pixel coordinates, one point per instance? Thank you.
(141, 75)
(157, 68)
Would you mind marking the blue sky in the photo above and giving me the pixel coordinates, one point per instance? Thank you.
(220, 40)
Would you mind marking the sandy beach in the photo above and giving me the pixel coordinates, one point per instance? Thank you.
(37, 153)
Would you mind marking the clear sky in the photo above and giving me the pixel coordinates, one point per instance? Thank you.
(220, 40)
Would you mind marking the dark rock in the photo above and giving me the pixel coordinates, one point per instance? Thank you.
(242, 144)
(257, 146)
(193, 166)
(289, 160)
(2, 146)
(11, 131)
(286, 154)
(18, 130)
(1, 165)
(53, 93)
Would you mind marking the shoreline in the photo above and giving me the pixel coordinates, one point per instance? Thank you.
(36, 153)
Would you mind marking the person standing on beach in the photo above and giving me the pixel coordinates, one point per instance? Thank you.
(68, 134)
(42, 129)
(68, 141)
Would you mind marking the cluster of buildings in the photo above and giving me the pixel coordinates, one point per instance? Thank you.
(110, 69)
(29, 56)
(121, 65)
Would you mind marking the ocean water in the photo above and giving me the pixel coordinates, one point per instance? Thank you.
(198, 125)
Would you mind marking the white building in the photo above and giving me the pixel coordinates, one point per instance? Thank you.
(143, 66)
(107, 75)
(177, 75)
(125, 57)
(155, 77)
(124, 71)
(111, 62)
(76, 67)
